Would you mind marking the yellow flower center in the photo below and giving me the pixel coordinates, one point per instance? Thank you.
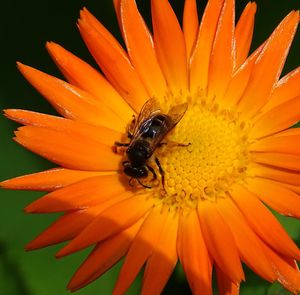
(216, 158)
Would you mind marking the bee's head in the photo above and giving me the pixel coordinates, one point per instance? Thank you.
(135, 172)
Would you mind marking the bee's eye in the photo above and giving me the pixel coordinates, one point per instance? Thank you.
(143, 172)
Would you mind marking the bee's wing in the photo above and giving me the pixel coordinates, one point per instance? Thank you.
(150, 107)
(177, 112)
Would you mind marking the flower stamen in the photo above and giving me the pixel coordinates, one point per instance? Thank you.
(216, 157)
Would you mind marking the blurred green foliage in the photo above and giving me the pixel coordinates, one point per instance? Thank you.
(25, 26)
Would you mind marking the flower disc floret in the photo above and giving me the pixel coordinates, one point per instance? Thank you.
(204, 156)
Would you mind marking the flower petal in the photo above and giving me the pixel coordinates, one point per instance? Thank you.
(71, 224)
(140, 48)
(288, 274)
(169, 45)
(162, 262)
(264, 224)
(293, 188)
(222, 56)
(141, 249)
(81, 74)
(110, 222)
(278, 144)
(190, 25)
(70, 101)
(68, 150)
(277, 119)
(280, 160)
(112, 60)
(220, 242)
(289, 132)
(272, 194)
(101, 134)
(103, 257)
(286, 89)
(200, 59)
(240, 80)
(225, 285)
(244, 32)
(117, 6)
(80, 195)
(49, 180)
(268, 66)
(281, 175)
(193, 254)
(65, 228)
(247, 242)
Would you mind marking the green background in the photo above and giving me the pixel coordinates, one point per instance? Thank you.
(25, 26)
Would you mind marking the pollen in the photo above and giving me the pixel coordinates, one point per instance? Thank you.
(204, 156)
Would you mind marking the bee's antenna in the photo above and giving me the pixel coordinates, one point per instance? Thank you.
(130, 181)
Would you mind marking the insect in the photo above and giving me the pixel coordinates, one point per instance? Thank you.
(148, 132)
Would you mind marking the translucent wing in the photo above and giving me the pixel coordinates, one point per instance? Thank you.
(177, 112)
(150, 108)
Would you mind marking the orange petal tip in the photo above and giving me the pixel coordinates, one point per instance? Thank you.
(72, 286)
(7, 111)
(16, 133)
(15, 138)
(20, 65)
(10, 113)
(64, 252)
(29, 247)
(32, 208)
(83, 12)
(55, 50)
(60, 254)
(23, 68)
(4, 184)
(29, 209)
(50, 44)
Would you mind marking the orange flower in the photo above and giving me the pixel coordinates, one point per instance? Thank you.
(238, 153)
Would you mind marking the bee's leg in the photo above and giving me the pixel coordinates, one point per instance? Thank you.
(132, 184)
(152, 171)
(174, 144)
(130, 131)
(119, 144)
(133, 119)
(162, 144)
(182, 144)
(161, 171)
(143, 185)
(131, 127)
(129, 135)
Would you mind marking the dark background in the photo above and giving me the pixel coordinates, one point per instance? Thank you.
(25, 26)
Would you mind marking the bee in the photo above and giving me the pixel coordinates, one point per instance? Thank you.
(148, 131)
